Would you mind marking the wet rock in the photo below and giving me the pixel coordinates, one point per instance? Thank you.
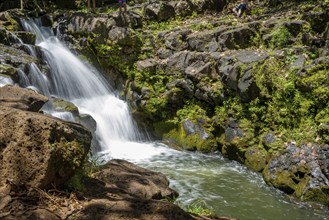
(237, 139)
(26, 37)
(20, 98)
(302, 171)
(255, 158)
(61, 105)
(38, 149)
(8, 70)
(14, 57)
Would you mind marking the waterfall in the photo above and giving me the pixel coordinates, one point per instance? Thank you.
(226, 186)
(71, 79)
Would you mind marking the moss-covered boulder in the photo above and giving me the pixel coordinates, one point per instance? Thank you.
(9, 71)
(191, 135)
(301, 171)
(238, 137)
(63, 105)
(26, 37)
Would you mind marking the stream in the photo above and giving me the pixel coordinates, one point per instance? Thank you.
(225, 186)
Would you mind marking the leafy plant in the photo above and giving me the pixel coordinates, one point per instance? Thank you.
(280, 37)
(199, 207)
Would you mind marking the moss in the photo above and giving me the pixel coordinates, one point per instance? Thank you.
(318, 194)
(256, 158)
(280, 37)
(61, 104)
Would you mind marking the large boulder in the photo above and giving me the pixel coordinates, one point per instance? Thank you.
(302, 171)
(20, 98)
(40, 150)
(135, 181)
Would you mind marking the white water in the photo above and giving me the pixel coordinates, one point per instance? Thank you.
(227, 187)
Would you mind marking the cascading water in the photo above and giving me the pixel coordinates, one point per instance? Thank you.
(227, 187)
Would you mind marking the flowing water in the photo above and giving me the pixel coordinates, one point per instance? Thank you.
(225, 186)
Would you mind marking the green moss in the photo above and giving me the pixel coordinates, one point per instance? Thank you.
(256, 158)
(280, 37)
(61, 104)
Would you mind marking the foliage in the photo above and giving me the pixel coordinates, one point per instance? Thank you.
(280, 37)
(199, 207)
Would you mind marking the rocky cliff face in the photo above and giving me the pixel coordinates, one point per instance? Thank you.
(253, 88)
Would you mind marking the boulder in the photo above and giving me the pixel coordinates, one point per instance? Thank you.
(20, 98)
(26, 37)
(301, 171)
(237, 139)
(189, 135)
(8, 70)
(159, 11)
(176, 39)
(15, 57)
(239, 38)
(205, 40)
(184, 8)
(135, 181)
(40, 150)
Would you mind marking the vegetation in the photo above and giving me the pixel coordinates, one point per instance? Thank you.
(199, 207)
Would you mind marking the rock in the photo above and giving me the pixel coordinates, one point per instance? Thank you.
(20, 98)
(183, 8)
(148, 65)
(40, 150)
(14, 57)
(192, 135)
(205, 40)
(175, 40)
(26, 37)
(43, 214)
(159, 11)
(128, 19)
(237, 139)
(301, 171)
(8, 70)
(248, 90)
(136, 181)
(294, 27)
(65, 106)
(239, 38)
(123, 36)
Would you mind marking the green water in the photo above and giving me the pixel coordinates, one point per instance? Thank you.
(228, 188)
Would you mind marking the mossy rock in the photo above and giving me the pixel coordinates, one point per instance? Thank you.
(9, 71)
(199, 139)
(237, 139)
(282, 180)
(255, 158)
(320, 195)
(64, 105)
(26, 37)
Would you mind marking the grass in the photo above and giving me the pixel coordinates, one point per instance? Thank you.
(199, 207)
